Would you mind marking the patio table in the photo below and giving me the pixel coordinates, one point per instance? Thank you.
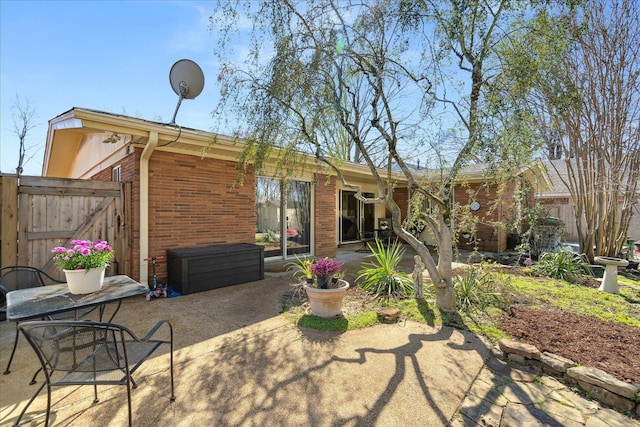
(35, 303)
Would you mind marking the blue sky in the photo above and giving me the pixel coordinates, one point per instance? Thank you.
(113, 56)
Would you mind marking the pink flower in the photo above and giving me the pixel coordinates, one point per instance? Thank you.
(83, 255)
(528, 262)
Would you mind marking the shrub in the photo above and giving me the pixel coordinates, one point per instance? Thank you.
(478, 289)
(381, 277)
(563, 265)
(269, 237)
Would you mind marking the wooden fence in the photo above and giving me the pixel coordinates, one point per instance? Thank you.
(40, 213)
(563, 210)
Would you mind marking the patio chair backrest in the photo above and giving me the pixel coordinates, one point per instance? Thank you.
(22, 277)
(91, 353)
(87, 352)
(17, 277)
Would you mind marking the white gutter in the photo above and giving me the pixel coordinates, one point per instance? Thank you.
(144, 206)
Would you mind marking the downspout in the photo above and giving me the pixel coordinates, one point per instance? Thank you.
(144, 206)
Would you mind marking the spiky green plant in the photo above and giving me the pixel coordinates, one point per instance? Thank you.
(301, 267)
(477, 289)
(381, 277)
(563, 265)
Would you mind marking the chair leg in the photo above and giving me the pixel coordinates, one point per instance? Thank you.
(129, 401)
(24, 410)
(173, 395)
(33, 379)
(95, 393)
(46, 421)
(13, 352)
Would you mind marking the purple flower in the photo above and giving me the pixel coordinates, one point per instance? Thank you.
(528, 262)
(325, 267)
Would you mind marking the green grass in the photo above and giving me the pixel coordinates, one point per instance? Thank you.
(582, 300)
(359, 321)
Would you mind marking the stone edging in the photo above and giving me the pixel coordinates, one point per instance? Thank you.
(600, 385)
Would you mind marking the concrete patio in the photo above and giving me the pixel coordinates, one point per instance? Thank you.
(239, 362)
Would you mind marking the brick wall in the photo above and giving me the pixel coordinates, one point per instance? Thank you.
(325, 217)
(192, 202)
(195, 202)
(493, 208)
(401, 197)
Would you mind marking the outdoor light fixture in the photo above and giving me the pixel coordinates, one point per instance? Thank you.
(111, 139)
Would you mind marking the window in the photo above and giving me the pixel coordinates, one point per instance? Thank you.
(283, 209)
(356, 217)
(116, 174)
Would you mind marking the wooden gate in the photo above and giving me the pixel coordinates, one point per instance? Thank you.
(40, 213)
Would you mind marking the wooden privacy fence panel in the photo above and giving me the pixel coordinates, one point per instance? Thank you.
(54, 211)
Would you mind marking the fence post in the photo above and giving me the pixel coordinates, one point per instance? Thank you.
(9, 217)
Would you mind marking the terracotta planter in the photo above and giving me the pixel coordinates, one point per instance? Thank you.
(84, 281)
(327, 303)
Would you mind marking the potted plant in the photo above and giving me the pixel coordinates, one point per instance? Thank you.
(325, 270)
(83, 264)
(326, 295)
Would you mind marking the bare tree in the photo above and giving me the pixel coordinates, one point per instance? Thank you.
(587, 90)
(355, 65)
(23, 122)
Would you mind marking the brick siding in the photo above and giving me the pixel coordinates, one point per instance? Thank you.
(493, 208)
(326, 236)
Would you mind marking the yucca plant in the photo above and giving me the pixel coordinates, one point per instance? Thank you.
(478, 289)
(563, 265)
(381, 277)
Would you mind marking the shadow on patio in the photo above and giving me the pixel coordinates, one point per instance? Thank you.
(238, 362)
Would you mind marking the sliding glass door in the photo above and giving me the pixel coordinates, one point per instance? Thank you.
(283, 217)
(357, 219)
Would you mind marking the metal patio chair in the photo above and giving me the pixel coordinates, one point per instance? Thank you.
(17, 277)
(365, 240)
(91, 353)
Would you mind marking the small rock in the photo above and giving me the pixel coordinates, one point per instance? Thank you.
(527, 350)
(518, 358)
(602, 379)
(389, 315)
(555, 364)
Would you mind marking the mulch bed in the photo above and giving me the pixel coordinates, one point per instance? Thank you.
(609, 346)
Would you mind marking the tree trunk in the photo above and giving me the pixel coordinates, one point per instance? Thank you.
(441, 275)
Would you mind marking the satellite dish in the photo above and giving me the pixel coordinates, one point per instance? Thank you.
(187, 81)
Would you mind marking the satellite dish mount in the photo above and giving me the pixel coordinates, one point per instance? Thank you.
(187, 81)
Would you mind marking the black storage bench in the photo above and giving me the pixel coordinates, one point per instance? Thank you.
(200, 269)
